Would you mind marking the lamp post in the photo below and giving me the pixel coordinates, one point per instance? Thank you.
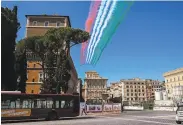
(122, 95)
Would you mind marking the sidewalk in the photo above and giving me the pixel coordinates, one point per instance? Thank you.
(103, 113)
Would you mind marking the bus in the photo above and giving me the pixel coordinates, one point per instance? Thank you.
(18, 106)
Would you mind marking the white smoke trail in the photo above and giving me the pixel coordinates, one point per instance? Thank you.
(112, 8)
(96, 23)
(98, 29)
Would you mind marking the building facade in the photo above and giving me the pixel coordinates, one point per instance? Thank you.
(177, 93)
(134, 90)
(38, 25)
(151, 87)
(172, 79)
(94, 86)
(115, 90)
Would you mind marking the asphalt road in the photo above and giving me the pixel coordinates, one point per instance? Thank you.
(126, 118)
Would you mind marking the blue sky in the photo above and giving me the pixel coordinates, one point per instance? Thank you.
(148, 42)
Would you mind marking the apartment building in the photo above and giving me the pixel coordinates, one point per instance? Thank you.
(94, 86)
(134, 90)
(151, 87)
(38, 25)
(173, 79)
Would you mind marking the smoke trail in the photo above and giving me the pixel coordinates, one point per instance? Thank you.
(91, 17)
(112, 8)
(82, 46)
(111, 30)
(96, 22)
(102, 19)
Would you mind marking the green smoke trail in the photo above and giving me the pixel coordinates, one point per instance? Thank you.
(111, 29)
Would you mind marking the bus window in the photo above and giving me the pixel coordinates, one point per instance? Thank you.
(57, 104)
(18, 104)
(71, 103)
(62, 104)
(49, 103)
(43, 103)
(38, 104)
(12, 104)
(5, 104)
(26, 104)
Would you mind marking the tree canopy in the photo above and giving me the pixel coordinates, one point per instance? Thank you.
(53, 49)
(10, 27)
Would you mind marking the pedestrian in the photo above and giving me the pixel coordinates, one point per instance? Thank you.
(84, 108)
(122, 108)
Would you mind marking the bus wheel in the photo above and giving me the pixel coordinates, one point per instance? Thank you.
(178, 122)
(52, 116)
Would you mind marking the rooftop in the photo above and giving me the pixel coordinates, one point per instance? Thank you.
(51, 16)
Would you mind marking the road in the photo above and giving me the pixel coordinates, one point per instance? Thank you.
(126, 118)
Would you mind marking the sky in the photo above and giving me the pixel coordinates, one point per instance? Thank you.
(147, 43)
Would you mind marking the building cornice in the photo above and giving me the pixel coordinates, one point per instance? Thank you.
(173, 72)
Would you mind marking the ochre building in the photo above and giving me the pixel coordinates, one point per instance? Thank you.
(38, 25)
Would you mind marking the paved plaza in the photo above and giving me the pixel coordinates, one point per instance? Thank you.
(126, 118)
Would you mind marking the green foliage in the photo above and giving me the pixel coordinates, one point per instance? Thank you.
(53, 49)
(21, 70)
(9, 27)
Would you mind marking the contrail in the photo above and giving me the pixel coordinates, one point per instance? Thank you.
(86, 29)
(112, 8)
(91, 17)
(114, 23)
(100, 12)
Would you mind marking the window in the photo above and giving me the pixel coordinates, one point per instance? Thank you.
(32, 80)
(46, 23)
(57, 104)
(32, 91)
(49, 103)
(34, 65)
(62, 104)
(26, 104)
(58, 24)
(34, 23)
(12, 104)
(131, 94)
(5, 104)
(41, 77)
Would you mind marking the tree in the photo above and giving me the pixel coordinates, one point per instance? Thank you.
(21, 71)
(53, 50)
(10, 27)
(81, 86)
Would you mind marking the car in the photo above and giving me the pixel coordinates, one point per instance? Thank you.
(179, 113)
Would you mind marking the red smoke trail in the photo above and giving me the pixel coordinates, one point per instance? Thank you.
(90, 20)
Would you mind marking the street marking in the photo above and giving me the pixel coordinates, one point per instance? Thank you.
(141, 121)
(162, 117)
